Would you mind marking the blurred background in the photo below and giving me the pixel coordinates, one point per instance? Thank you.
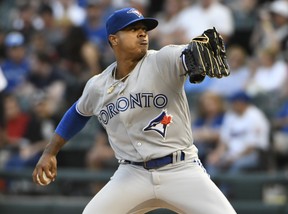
(50, 48)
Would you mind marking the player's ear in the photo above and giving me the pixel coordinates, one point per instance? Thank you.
(113, 40)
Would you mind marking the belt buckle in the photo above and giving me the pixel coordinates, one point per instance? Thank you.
(148, 166)
(145, 165)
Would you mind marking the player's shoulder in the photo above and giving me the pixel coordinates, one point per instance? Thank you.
(167, 47)
(99, 80)
(107, 71)
(166, 50)
(102, 77)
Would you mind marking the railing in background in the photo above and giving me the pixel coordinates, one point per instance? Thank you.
(252, 193)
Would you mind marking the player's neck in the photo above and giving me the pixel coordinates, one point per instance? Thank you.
(124, 68)
(126, 62)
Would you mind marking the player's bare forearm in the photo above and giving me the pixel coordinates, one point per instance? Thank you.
(54, 146)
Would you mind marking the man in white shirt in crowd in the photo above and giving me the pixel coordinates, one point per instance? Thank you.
(244, 136)
(206, 14)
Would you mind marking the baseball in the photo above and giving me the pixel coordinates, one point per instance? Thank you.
(47, 180)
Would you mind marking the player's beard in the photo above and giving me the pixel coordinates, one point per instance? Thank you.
(142, 51)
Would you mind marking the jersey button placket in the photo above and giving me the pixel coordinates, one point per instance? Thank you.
(139, 144)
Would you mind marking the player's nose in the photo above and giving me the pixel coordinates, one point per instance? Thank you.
(142, 32)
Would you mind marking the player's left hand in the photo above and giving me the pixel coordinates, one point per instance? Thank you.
(205, 55)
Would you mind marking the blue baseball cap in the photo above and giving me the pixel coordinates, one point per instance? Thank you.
(127, 16)
(240, 96)
(14, 39)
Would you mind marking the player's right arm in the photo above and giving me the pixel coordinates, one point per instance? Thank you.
(71, 123)
(48, 162)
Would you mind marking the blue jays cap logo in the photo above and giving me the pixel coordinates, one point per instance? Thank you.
(160, 123)
(136, 12)
(127, 16)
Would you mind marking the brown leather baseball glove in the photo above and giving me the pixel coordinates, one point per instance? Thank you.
(205, 55)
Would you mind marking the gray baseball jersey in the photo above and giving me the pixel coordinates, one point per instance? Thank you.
(146, 117)
(147, 111)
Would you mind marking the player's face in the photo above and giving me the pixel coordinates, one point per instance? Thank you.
(134, 39)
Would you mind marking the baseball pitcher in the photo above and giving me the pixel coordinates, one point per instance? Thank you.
(140, 101)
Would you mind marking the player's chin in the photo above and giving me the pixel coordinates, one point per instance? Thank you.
(141, 52)
(142, 47)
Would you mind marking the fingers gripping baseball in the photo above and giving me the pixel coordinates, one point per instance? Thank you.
(44, 177)
(45, 171)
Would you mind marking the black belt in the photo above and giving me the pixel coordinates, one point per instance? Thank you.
(155, 163)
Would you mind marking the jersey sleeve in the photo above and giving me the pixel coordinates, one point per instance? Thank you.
(168, 60)
(85, 104)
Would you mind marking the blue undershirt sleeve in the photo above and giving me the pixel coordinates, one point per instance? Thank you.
(71, 123)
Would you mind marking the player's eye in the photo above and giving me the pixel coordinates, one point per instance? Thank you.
(136, 28)
(130, 28)
(144, 29)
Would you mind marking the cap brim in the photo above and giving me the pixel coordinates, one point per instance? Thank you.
(150, 23)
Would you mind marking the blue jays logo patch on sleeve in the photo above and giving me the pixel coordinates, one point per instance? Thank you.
(160, 123)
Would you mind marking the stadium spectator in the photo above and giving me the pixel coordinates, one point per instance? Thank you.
(2, 46)
(272, 28)
(168, 31)
(239, 73)
(40, 44)
(244, 136)
(16, 122)
(93, 25)
(280, 135)
(206, 14)
(68, 11)
(51, 32)
(46, 76)
(93, 58)
(16, 67)
(245, 18)
(141, 5)
(101, 155)
(206, 126)
(193, 91)
(77, 54)
(39, 126)
(26, 20)
(108, 8)
(279, 11)
(271, 74)
(96, 51)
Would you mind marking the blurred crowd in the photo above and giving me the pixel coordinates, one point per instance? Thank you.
(50, 48)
